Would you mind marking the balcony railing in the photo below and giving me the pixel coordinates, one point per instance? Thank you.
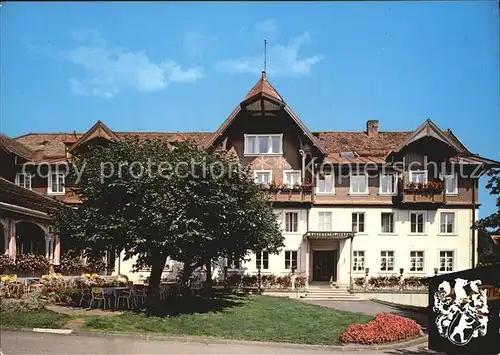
(296, 193)
(428, 192)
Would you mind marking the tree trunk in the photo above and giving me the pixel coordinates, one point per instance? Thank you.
(208, 282)
(154, 301)
(186, 274)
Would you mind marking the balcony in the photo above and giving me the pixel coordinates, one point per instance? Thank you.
(431, 192)
(284, 193)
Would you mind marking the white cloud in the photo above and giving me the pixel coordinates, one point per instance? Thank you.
(282, 59)
(108, 70)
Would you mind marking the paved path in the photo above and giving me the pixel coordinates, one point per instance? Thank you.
(372, 308)
(36, 343)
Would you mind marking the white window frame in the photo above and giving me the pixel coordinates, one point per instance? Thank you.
(357, 213)
(270, 136)
(416, 256)
(424, 227)
(289, 259)
(455, 186)
(255, 173)
(233, 264)
(393, 223)
(319, 221)
(355, 257)
(50, 190)
(426, 172)
(394, 184)
(454, 226)
(317, 191)
(388, 257)
(298, 221)
(27, 177)
(285, 172)
(261, 260)
(351, 192)
(454, 258)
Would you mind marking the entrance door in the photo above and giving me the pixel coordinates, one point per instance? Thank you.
(324, 265)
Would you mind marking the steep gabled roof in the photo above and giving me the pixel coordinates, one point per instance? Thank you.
(263, 90)
(12, 194)
(98, 130)
(430, 129)
(12, 146)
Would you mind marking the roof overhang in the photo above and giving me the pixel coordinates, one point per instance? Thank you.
(313, 235)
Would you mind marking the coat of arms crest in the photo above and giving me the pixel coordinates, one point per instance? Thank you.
(462, 311)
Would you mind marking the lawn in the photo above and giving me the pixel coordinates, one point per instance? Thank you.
(34, 319)
(261, 318)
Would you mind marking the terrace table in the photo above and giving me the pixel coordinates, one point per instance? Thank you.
(112, 291)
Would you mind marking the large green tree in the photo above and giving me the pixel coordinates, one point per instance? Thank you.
(153, 202)
(489, 252)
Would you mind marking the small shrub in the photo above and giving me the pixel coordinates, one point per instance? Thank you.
(70, 265)
(385, 328)
(29, 302)
(249, 280)
(32, 262)
(284, 281)
(234, 280)
(268, 281)
(383, 281)
(415, 281)
(6, 264)
(359, 281)
(300, 281)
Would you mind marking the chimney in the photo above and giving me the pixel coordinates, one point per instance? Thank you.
(372, 128)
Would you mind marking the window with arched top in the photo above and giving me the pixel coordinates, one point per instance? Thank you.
(30, 239)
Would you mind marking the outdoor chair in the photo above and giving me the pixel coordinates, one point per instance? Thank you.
(139, 295)
(125, 296)
(98, 295)
(86, 296)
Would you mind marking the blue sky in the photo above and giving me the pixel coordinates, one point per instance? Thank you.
(159, 66)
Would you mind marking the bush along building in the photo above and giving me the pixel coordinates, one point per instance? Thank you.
(351, 204)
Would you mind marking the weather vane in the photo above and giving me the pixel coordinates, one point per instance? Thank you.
(265, 55)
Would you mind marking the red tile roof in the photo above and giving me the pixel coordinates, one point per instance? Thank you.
(263, 87)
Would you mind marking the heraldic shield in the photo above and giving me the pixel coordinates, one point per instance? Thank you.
(464, 311)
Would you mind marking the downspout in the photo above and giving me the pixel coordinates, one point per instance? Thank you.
(350, 265)
(473, 258)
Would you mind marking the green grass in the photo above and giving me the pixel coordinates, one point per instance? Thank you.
(261, 318)
(35, 319)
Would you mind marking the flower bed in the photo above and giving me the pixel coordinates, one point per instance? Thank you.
(385, 328)
(390, 283)
(268, 281)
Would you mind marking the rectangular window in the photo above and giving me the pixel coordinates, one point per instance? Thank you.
(291, 222)
(358, 260)
(325, 221)
(418, 176)
(447, 222)
(417, 222)
(262, 260)
(23, 180)
(290, 259)
(446, 261)
(324, 183)
(262, 177)
(416, 261)
(386, 260)
(450, 184)
(263, 144)
(292, 178)
(359, 184)
(358, 222)
(387, 184)
(387, 221)
(56, 183)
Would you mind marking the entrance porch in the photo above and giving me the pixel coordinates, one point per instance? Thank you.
(328, 256)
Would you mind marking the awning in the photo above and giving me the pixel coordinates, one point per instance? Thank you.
(328, 235)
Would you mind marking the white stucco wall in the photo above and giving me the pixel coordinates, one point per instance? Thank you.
(372, 242)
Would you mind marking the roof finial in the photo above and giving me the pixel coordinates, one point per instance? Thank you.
(265, 58)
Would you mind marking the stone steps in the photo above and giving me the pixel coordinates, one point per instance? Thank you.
(339, 292)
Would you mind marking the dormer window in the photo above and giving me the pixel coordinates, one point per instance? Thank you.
(23, 180)
(263, 144)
